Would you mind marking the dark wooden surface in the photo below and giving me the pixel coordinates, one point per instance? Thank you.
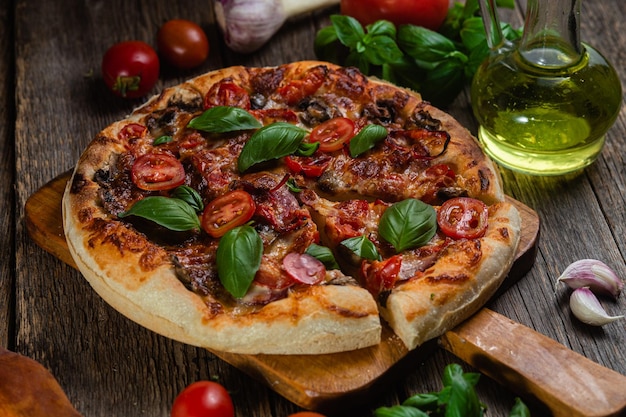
(52, 102)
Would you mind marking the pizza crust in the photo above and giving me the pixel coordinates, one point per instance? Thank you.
(427, 307)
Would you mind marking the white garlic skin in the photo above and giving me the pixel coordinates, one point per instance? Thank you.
(593, 274)
(586, 307)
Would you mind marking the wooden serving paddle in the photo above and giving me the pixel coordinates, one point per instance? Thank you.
(531, 364)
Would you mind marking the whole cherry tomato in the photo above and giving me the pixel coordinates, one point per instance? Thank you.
(463, 217)
(130, 69)
(227, 212)
(203, 399)
(333, 134)
(306, 414)
(427, 13)
(157, 171)
(182, 43)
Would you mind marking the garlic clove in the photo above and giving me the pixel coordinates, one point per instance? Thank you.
(593, 274)
(586, 307)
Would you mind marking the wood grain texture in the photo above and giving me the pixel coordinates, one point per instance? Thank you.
(54, 102)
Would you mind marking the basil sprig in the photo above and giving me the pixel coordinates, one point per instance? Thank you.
(190, 196)
(238, 259)
(172, 213)
(222, 119)
(362, 247)
(366, 139)
(270, 142)
(408, 224)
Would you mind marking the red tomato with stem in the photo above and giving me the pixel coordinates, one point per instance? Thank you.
(427, 13)
(463, 218)
(333, 134)
(157, 171)
(182, 43)
(226, 212)
(203, 399)
(130, 69)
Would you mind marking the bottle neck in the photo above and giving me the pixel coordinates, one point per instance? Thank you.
(551, 33)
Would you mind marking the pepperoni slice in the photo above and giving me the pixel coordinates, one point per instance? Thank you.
(304, 268)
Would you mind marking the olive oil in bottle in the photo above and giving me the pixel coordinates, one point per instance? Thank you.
(545, 105)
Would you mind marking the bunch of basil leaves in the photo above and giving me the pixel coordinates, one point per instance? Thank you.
(438, 65)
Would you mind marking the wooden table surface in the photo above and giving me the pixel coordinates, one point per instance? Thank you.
(53, 101)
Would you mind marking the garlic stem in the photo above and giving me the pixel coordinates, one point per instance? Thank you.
(586, 307)
(295, 8)
(593, 274)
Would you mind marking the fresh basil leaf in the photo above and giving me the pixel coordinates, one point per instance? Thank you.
(358, 60)
(362, 247)
(307, 148)
(462, 399)
(238, 259)
(326, 44)
(519, 409)
(349, 31)
(222, 119)
(382, 49)
(399, 411)
(170, 213)
(424, 44)
(189, 196)
(270, 142)
(408, 224)
(293, 186)
(366, 139)
(382, 28)
(322, 254)
(162, 140)
(425, 402)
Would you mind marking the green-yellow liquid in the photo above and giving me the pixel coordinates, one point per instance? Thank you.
(541, 121)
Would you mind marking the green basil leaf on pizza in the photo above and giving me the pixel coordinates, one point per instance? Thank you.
(408, 224)
(222, 119)
(238, 259)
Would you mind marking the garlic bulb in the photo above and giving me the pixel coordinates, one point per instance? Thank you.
(586, 307)
(593, 274)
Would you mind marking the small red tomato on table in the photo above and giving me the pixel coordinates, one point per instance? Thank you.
(130, 68)
(203, 399)
(182, 43)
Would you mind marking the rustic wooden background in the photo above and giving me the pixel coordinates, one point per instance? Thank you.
(53, 101)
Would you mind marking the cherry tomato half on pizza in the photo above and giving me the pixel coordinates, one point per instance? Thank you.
(463, 218)
(226, 212)
(203, 399)
(130, 69)
(333, 134)
(157, 171)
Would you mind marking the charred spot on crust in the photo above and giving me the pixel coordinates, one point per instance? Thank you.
(447, 278)
(484, 180)
(79, 182)
(187, 100)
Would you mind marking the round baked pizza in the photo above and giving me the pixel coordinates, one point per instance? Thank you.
(294, 209)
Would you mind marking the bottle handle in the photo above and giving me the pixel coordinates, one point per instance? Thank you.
(491, 21)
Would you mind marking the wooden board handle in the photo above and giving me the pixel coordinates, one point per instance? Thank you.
(536, 366)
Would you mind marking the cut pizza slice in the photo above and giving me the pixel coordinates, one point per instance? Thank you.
(429, 267)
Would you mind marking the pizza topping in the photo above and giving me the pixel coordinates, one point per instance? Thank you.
(132, 131)
(309, 166)
(408, 224)
(382, 275)
(463, 218)
(227, 212)
(222, 119)
(270, 142)
(304, 268)
(157, 171)
(239, 256)
(227, 93)
(323, 254)
(362, 247)
(333, 134)
(171, 213)
(366, 139)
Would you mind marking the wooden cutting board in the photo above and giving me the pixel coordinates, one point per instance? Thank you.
(325, 382)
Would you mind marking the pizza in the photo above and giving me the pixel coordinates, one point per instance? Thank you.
(294, 209)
